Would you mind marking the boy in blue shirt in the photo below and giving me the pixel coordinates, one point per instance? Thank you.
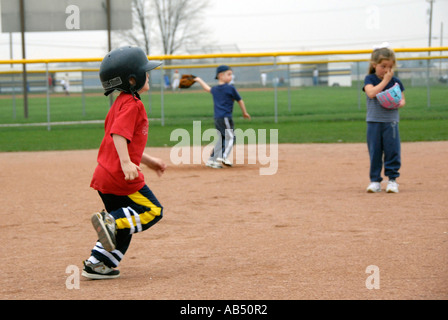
(224, 96)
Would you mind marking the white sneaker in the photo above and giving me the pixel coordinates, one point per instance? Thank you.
(224, 161)
(392, 187)
(374, 187)
(213, 164)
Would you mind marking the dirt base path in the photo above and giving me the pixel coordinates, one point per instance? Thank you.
(309, 231)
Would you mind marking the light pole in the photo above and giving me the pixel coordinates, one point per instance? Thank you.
(431, 2)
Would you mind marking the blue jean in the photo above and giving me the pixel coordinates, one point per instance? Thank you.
(383, 142)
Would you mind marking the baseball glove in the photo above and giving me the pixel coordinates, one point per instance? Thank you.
(186, 81)
(390, 98)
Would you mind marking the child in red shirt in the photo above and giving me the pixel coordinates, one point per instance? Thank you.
(131, 206)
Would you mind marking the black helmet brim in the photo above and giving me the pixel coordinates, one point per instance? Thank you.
(152, 65)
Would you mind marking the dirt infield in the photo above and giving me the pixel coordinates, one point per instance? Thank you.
(307, 232)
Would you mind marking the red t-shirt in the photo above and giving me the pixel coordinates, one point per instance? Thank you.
(127, 117)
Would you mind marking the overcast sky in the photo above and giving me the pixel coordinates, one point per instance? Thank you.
(268, 26)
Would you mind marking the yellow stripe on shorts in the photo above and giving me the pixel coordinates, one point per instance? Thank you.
(145, 217)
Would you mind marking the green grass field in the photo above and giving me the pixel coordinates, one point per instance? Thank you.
(316, 115)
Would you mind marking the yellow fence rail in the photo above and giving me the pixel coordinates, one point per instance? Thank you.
(232, 55)
(235, 64)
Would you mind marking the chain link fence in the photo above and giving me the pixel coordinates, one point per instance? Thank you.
(416, 67)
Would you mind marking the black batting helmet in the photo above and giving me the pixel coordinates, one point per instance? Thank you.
(121, 64)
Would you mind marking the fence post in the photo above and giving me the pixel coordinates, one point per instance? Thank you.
(358, 85)
(14, 112)
(83, 95)
(48, 96)
(162, 113)
(275, 91)
(289, 87)
(150, 109)
(428, 86)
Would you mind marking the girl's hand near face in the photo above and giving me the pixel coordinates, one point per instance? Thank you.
(388, 75)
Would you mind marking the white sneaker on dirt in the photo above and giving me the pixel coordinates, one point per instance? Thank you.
(213, 164)
(224, 161)
(392, 187)
(374, 187)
